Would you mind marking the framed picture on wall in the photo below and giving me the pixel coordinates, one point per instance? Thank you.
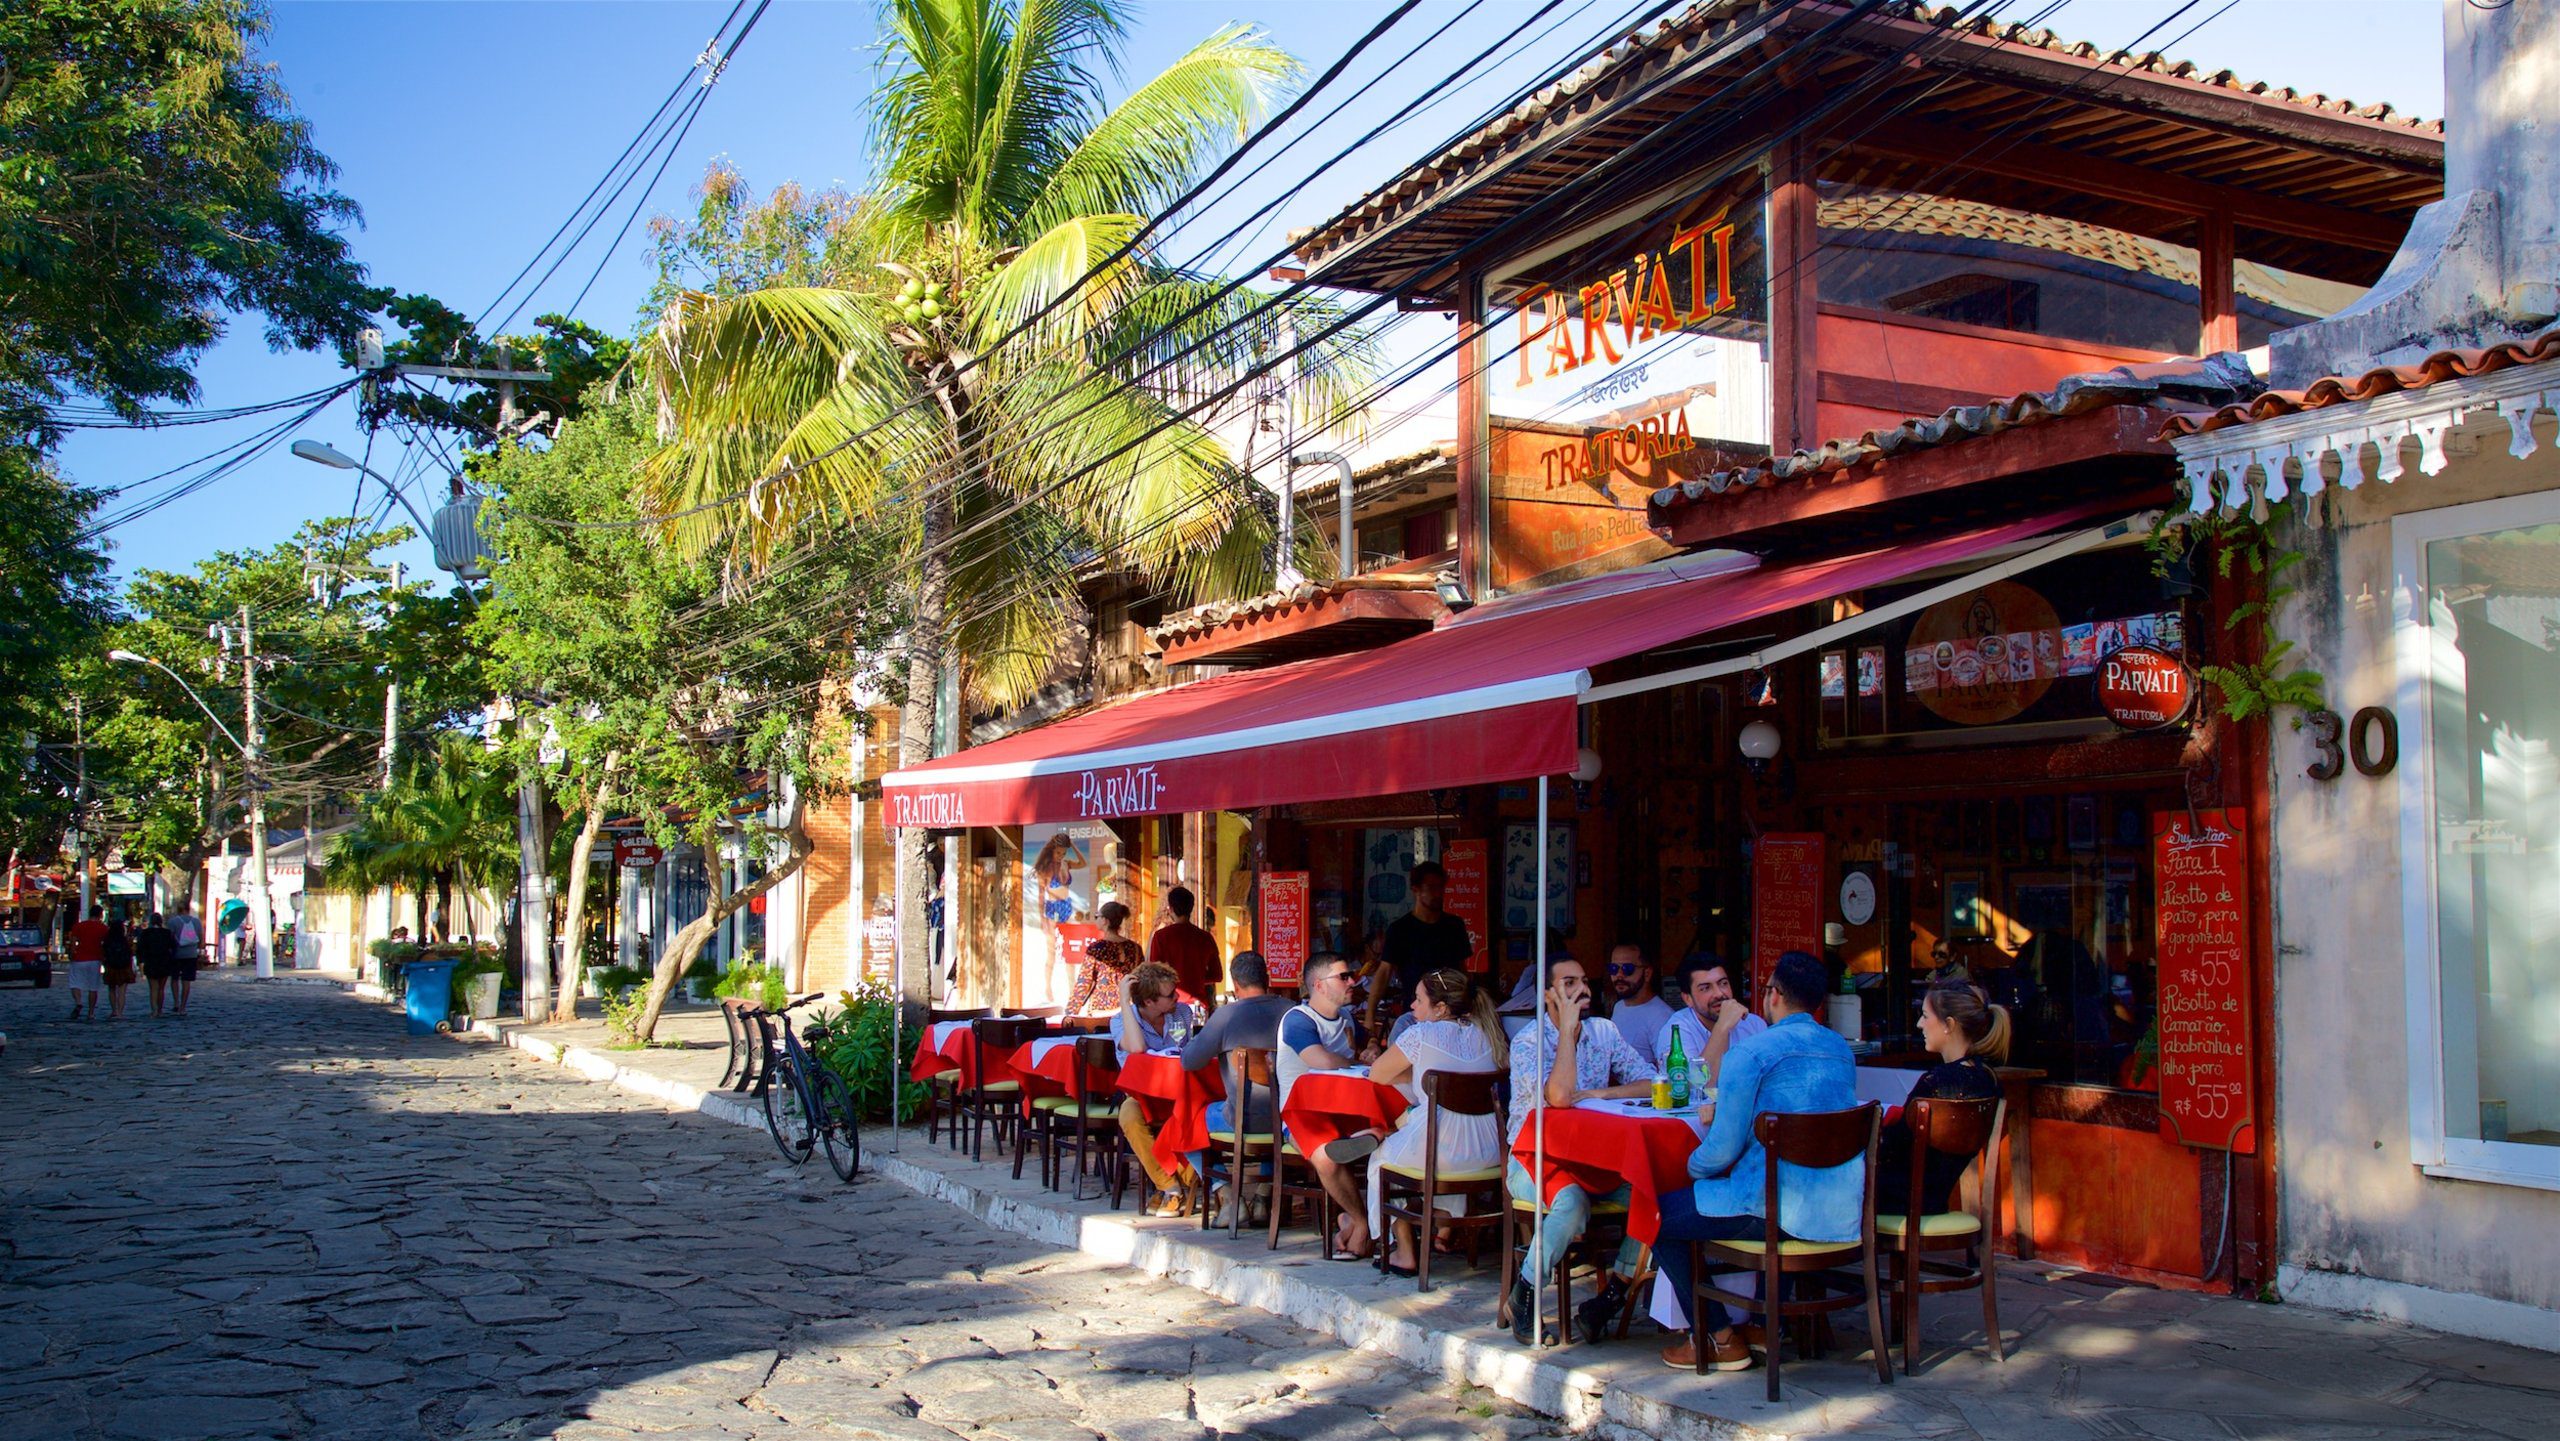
(1520, 876)
(1967, 918)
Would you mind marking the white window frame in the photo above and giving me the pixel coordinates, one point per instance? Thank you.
(2437, 1154)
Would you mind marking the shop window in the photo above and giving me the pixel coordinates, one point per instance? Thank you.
(2479, 650)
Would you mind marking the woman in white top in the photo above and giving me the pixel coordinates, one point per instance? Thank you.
(1454, 1029)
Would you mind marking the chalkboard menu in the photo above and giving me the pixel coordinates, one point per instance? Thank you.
(1786, 901)
(2201, 870)
(1284, 925)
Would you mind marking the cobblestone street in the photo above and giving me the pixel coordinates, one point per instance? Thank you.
(280, 1217)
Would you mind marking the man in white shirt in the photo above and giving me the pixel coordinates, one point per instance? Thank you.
(1635, 1006)
(1713, 1020)
(1562, 1060)
(1320, 1034)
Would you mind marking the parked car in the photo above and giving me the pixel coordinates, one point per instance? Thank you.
(24, 956)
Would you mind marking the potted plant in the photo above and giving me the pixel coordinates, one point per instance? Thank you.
(388, 958)
(477, 979)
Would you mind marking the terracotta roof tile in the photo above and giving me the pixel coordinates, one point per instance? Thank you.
(2331, 390)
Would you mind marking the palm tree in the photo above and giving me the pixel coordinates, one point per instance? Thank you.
(450, 819)
(1003, 198)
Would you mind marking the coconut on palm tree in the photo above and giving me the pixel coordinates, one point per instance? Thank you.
(1013, 382)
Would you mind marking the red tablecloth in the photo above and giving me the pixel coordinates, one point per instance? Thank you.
(1600, 1151)
(959, 1052)
(1055, 1073)
(1176, 1099)
(1324, 1107)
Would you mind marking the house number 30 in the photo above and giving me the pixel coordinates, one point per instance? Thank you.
(2371, 743)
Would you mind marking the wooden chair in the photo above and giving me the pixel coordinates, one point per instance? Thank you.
(1818, 1140)
(1595, 1248)
(942, 1088)
(1950, 1127)
(1408, 1193)
(990, 1099)
(1040, 1013)
(742, 1043)
(1264, 1156)
(1085, 1121)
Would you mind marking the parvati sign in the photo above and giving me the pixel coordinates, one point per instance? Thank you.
(2143, 687)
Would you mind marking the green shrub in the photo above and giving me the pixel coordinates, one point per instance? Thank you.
(755, 982)
(622, 1008)
(704, 971)
(854, 1043)
(610, 979)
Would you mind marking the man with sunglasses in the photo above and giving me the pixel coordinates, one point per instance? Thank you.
(1636, 1007)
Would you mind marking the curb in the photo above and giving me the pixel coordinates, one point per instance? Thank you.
(1581, 1398)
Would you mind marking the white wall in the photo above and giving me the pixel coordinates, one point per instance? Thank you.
(2361, 1224)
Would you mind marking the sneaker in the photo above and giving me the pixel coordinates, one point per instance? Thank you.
(1350, 1148)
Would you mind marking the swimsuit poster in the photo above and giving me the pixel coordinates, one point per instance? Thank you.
(1062, 885)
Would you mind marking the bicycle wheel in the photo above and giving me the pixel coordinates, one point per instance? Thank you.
(786, 1113)
(838, 1129)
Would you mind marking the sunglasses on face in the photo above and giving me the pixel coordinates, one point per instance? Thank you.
(1617, 969)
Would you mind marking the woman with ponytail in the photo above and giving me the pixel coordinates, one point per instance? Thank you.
(1969, 1036)
(1454, 1029)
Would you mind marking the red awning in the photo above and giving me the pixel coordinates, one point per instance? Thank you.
(1488, 696)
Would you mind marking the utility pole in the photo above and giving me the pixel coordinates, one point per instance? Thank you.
(253, 750)
(80, 802)
(533, 874)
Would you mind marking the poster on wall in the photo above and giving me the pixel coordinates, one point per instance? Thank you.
(1787, 900)
(1064, 881)
(1466, 896)
(1520, 876)
(2200, 868)
(1284, 925)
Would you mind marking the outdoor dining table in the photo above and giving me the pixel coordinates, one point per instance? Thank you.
(1176, 1100)
(1047, 1067)
(1325, 1106)
(1602, 1145)
(953, 1046)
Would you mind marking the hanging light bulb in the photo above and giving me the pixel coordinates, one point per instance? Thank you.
(1760, 742)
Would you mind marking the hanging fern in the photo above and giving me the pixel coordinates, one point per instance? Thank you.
(2262, 687)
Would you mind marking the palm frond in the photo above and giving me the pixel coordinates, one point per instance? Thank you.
(1159, 139)
(1053, 267)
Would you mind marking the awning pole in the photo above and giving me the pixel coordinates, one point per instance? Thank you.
(1538, 1121)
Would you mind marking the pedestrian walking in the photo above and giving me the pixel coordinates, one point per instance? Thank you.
(188, 934)
(157, 950)
(119, 965)
(88, 965)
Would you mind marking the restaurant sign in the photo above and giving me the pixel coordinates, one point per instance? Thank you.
(2142, 687)
(2200, 863)
(635, 853)
(1284, 925)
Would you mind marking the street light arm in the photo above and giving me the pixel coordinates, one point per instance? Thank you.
(129, 656)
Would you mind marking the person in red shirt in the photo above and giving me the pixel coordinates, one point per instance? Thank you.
(1188, 951)
(88, 943)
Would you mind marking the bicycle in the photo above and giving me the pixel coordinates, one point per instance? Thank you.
(807, 1106)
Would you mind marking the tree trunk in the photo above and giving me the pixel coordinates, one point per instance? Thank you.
(917, 721)
(688, 942)
(573, 928)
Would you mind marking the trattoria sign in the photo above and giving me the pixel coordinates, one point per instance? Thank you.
(2143, 687)
(1688, 282)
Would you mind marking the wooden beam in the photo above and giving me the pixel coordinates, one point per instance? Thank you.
(1901, 397)
(1795, 358)
(2219, 288)
(1934, 146)
(2114, 430)
(1475, 440)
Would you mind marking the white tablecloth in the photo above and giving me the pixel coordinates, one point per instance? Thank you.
(1040, 1049)
(943, 1031)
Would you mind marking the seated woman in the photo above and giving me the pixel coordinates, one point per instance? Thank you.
(1454, 1029)
(1968, 1035)
(1152, 1020)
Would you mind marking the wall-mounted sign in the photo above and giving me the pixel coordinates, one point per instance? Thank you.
(1284, 925)
(1786, 901)
(2200, 864)
(1988, 655)
(1466, 895)
(1858, 897)
(2143, 687)
(635, 853)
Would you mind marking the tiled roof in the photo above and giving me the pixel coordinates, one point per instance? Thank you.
(1706, 24)
(1204, 618)
(2195, 382)
(2331, 390)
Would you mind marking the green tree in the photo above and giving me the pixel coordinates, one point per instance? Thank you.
(54, 607)
(882, 399)
(153, 176)
(448, 820)
(654, 714)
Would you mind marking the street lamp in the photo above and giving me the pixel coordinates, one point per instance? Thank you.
(455, 532)
(261, 899)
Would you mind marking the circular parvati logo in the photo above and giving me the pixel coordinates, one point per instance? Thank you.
(2142, 687)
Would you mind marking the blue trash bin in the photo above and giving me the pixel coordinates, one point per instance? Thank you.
(430, 994)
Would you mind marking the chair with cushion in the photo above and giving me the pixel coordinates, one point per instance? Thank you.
(1594, 1250)
(1408, 1193)
(1817, 1140)
(1949, 1127)
(1265, 1158)
(942, 1088)
(1086, 1121)
(992, 1097)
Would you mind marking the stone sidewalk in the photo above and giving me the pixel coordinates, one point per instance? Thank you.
(2088, 1356)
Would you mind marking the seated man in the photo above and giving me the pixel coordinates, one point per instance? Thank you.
(1635, 1002)
(1152, 1019)
(1249, 1021)
(1566, 1058)
(1797, 1065)
(1712, 1021)
(1322, 1033)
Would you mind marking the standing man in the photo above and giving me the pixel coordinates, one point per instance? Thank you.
(189, 934)
(1635, 1005)
(1421, 941)
(1713, 1021)
(1185, 949)
(88, 944)
(1565, 1059)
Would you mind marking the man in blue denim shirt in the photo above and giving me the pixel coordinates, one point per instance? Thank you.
(1797, 1065)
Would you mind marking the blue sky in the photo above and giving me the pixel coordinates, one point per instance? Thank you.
(466, 131)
